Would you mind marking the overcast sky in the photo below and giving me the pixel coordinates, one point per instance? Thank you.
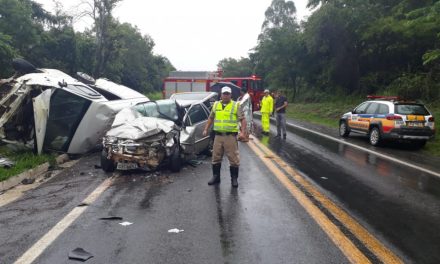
(194, 34)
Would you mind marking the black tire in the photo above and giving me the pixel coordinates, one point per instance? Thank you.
(418, 144)
(375, 137)
(344, 131)
(175, 160)
(106, 164)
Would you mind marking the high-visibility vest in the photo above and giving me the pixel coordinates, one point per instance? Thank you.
(267, 104)
(226, 119)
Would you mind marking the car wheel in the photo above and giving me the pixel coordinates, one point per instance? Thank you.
(175, 160)
(418, 144)
(343, 129)
(375, 137)
(107, 164)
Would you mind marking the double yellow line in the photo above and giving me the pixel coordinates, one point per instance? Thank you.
(282, 171)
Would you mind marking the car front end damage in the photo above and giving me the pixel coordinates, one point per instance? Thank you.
(144, 143)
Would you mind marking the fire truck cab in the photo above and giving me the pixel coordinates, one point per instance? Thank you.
(201, 81)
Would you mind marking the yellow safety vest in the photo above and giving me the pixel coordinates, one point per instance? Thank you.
(226, 119)
(267, 104)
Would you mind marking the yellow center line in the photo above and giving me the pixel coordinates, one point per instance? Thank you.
(374, 245)
(347, 247)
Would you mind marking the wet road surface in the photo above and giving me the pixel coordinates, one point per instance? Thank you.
(258, 223)
(265, 220)
(401, 204)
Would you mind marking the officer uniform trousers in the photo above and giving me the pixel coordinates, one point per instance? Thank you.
(226, 143)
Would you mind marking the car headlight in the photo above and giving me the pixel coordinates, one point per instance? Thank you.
(135, 149)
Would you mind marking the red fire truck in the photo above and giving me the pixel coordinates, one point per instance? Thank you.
(198, 81)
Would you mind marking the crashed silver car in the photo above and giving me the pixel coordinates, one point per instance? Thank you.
(153, 133)
(48, 110)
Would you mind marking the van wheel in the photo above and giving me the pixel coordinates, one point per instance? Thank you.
(343, 129)
(107, 164)
(175, 160)
(375, 137)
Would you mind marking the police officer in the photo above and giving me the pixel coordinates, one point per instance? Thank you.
(225, 115)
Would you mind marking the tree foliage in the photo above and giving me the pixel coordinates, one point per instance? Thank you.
(352, 47)
(110, 49)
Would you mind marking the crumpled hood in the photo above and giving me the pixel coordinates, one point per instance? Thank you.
(142, 127)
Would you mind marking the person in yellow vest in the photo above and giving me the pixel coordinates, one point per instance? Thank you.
(266, 110)
(225, 115)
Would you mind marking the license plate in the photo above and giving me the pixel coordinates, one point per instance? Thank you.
(127, 166)
(415, 124)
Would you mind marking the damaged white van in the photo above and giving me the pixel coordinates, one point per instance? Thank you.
(48, 110)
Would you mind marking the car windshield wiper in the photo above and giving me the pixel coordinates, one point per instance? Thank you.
(165, 115)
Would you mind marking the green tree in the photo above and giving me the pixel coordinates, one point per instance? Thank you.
(236, 68)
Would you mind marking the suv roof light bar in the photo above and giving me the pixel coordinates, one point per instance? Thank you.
(390, 98)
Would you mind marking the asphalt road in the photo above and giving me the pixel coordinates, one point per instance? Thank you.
(300, 200)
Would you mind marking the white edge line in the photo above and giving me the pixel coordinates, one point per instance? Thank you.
(366, 150)
(38, 248)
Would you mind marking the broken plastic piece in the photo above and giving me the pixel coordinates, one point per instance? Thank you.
(125, 223)
(111, 218)
(27, 181)
(80, 254)
(6, 163)
(194, 163)
(175, 230)
(83, 204)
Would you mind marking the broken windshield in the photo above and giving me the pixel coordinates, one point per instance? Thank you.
(161, 109)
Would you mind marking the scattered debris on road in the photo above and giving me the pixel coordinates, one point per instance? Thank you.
(82, 204)
(80, 254)
(324, 178)
(175, 230)
(111, 218)
(125, 223)
(27, 181)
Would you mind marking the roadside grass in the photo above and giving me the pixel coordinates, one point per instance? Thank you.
(328, 114)
(24, 160)
(154, 96)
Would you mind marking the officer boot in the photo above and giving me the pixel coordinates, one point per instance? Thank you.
(234, 176)
(215, 174)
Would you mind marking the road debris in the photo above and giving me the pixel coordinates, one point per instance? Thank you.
(80, 254)
(27, 181)
(194, 163)
(82, 204)
(125, 223)
(175, 230)
(324, 178)
(111, 218)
